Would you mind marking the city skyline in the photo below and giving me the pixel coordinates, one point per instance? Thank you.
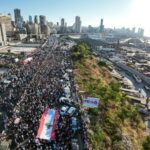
(124, 13)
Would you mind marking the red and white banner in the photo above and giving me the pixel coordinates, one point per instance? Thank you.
(27, 60)
(48, 123)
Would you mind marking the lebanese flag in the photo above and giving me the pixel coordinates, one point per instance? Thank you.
(47, 125)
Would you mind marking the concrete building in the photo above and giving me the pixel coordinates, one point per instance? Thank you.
(65, 24)
(6, 19)
(77, 24)
(35, 29)
(140, 32)
(18, 18)
(17, 14)
(62, 25)
(42, 20)
(50, 24)
(36, 19)
(30, 19)
(57, 24)
(101, 26)
(62, 22)
(42, 24)
(32, 28)
(57, 27)
(39, 29)
(90, 29)
(47, 30)
(133, 30)
(29, 28)
(3, 38)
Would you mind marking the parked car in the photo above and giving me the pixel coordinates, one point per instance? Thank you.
(63, 110)
(75, 124)
(147, 87)
(74, 144)
(71, 111)
(143, 111)
(63, 99)
(67, 110)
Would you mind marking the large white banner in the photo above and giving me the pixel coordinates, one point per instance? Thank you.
(91, 102)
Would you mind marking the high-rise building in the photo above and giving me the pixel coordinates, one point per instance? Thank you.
(18, 18)
(133, 30)
(90, 29)
(35, 29)
(29, 28)
(3, 39)
(57, 27)
(101, 26)
(50, 24)
(6, 19)
(39, 29)
(140, 32)
(43, 20)
(36, 19)
(32, 28)
(77, 24)
(62, 22)
(43, 23)
(30, 19)
(47, 30)
(62, 26)
(57, 24)
(17, 14)
(65, 24)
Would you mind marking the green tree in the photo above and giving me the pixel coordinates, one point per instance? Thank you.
(79, 51)
(146, 144)
(102, 63)
(93, 111)
(124, 113)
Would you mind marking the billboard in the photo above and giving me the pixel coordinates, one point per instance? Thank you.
(91, 102)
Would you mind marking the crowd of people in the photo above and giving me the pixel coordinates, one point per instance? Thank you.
(6, 61)
(32, 88)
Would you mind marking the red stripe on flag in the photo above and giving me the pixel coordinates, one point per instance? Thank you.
(42, 120)
(54, 126)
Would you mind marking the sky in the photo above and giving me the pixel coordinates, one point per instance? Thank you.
(116, 13)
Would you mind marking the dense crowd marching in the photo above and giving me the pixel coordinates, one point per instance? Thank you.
(34, 87)
(6, 61)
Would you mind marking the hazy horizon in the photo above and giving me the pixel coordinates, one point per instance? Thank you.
(118, 13)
